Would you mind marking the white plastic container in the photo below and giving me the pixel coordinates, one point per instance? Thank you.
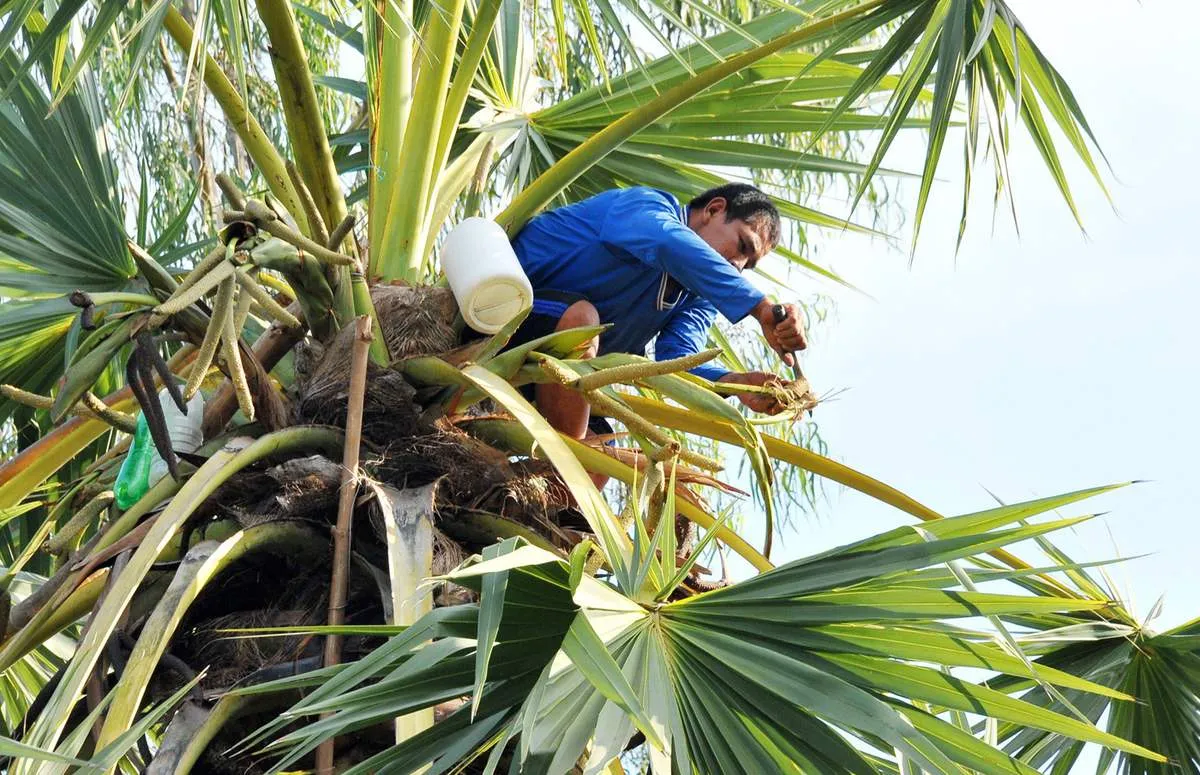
(184, 430)
(483, 271)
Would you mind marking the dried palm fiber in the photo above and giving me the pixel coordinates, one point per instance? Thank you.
(294, 490)
(264, 590)
(231, 658)
(412, 321)
(797, 396)
(388, 409)
(307, 485)
(415, 321)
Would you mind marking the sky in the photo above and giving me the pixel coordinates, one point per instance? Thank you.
(1047, 362)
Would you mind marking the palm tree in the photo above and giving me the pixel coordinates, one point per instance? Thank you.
(489, 608)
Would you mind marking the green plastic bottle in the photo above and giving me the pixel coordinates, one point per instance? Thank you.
(143, 465)
(134, 477)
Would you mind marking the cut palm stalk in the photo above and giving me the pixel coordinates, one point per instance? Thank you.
(265, 219)
(612, 408)
(222, 308)
(119, 420)
(206, 265)
(349, 490)
(341, 232)
(270, 347)
(233, 364)
(123, 422)
(316, 225)
(233, 195)
(61, 541)
(632, 372)
(269, 305)
(186, 297)
(241, 310)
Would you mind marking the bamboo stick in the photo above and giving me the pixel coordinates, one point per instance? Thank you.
(349, 490)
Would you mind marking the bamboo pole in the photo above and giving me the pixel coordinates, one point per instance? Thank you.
(341, 533)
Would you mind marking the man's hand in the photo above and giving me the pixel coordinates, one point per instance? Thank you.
(782, 337)
(756, 402)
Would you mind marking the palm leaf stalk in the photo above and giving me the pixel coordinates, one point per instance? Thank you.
(314, 159)
(572, 626)
(258, 145)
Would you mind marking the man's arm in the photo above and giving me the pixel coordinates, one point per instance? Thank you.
(644, 223)
(686, 333)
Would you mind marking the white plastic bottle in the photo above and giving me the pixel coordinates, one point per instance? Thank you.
(184, 430)
(483, 271)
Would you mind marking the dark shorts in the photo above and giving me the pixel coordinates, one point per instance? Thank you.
(548, 309)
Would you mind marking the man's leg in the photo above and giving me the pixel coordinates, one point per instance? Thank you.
(565, 409)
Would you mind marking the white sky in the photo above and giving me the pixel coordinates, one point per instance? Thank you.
(1055, 361)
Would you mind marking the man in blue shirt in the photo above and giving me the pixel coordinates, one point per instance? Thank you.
(637, 259)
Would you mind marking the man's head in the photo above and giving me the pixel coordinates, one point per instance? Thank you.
(738, 221)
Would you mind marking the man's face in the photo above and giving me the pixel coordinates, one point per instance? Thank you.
(740, 243)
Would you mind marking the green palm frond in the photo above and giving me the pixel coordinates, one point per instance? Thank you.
(767, 675)
(61, 224)
(1158, 669)
(33, 336)
(982, 44)
(61, 220)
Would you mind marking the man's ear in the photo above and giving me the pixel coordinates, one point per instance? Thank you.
(716, 207)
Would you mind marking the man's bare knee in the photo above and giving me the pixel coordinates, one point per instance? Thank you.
(580, 315)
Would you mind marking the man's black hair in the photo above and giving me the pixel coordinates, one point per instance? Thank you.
(746, 202)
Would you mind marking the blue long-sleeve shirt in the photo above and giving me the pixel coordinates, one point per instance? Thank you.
(631, 254)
